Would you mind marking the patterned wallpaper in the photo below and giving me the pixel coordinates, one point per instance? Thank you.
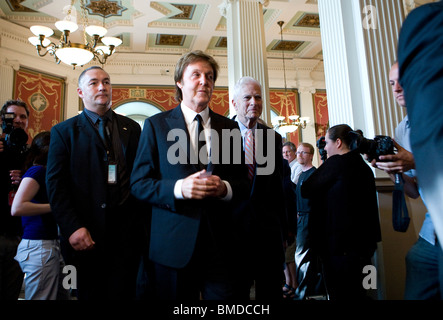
(44, 95)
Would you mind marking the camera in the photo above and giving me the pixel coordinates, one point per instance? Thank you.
(380, 146)
(15, 138)
(321, 144)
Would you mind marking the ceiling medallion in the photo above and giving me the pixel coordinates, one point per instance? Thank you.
(286, 45)
(170, 40)
(16, 6)
(105, 8)
(308, 20)
(187, 11)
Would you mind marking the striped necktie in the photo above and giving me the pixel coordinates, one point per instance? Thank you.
(249, 153)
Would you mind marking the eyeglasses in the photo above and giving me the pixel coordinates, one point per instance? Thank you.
(302, 152)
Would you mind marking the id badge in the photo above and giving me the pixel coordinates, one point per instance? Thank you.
(112, 173)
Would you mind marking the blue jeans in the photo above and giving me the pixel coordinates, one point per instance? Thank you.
(422, 280)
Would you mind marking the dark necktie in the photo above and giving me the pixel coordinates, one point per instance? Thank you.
(201, 144)
(102, 131)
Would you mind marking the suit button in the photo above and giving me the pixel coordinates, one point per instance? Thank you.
(103, 205)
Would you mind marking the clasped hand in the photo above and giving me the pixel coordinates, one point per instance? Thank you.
(200, 186)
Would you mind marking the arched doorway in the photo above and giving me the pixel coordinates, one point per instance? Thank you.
(137, 111)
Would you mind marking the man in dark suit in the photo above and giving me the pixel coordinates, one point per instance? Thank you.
(261, 217)
(191, 237)
(89, 164)
(420, 61)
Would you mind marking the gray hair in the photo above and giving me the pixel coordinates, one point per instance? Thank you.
(241, 82)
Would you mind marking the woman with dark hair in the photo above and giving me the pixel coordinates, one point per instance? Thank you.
(344, 222)
(38, 253)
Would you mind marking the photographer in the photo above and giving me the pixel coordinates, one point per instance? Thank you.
(344, 220)
(13, 150)
(422, 280)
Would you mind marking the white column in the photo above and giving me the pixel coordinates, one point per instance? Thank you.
(359, 40)
(247, 46)
(307, 110)
(7, 68)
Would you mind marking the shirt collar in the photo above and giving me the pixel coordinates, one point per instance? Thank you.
(190, 114)
(243, 128)
(94, 116)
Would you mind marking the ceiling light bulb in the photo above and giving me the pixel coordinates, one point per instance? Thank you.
(36, 41)
(112, 41)
(42, 30)
(96, 30)
(65, 25)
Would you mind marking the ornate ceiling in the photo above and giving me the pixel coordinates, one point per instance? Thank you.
(173, 27)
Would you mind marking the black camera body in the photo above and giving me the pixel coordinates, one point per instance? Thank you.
(321, 144)
(15, 138)
(380, 146)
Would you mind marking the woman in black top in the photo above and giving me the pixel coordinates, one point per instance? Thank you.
(344, 223)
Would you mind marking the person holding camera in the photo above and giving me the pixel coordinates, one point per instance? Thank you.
(422, 282)
(13, 150)
(344, 220)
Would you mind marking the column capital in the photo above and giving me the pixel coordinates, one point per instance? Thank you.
(223, 7)
(14, 64)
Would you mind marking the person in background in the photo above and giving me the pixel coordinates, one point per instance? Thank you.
(39, 250)
(420, 75)
(289, 154)
(422, 280)
(344, 221)
(12, 159)
(263, 225)
(89, 163)
(305, 258)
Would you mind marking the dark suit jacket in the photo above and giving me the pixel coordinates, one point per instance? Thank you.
(420, 60)
(344, 216)
(262, 216)
(176, 223)
(77, 176)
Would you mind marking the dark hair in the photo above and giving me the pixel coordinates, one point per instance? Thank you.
(188, 59)
(80, 78)
(341, 131)
(38, 152)
(14, 103)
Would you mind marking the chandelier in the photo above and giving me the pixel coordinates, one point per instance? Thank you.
(95, 47)
(291, 123)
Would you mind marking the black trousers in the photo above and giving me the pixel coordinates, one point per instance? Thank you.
(207, 276)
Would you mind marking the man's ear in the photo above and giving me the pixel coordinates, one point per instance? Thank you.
(80, 92)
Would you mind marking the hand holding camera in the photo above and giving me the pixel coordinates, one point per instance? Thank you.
(15, 138)
(402, 161)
